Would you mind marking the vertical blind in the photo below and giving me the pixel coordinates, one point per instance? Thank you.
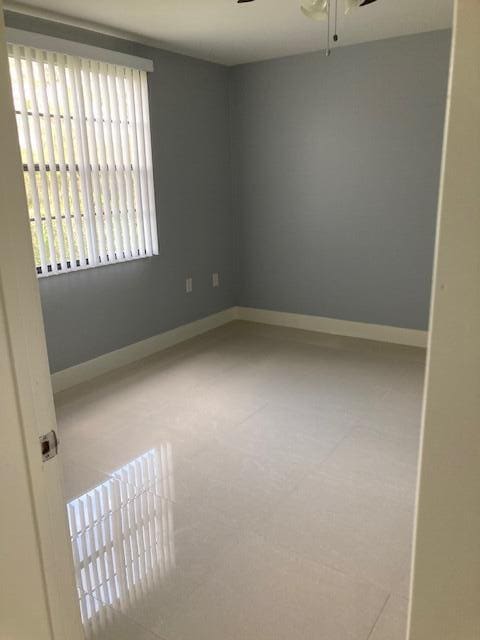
(84, 134)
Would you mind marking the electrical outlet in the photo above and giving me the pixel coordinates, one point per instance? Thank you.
(215, 279)
(189, 285)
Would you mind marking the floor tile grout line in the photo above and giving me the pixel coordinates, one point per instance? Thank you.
(110, 435)
(154, 634)
(132, 367)
(209, 574)
(137, 491)
(339, 443)
(212, 339)
(309, 471)
(284, 496)
(320, 564)
(379, 616)
(304, 476)
(234, 542)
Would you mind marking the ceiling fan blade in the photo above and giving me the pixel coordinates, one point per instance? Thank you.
(315, 9)
(354, 4)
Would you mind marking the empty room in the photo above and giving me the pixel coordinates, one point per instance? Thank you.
(236, 326)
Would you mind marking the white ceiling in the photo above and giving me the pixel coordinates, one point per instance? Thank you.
(223, 31)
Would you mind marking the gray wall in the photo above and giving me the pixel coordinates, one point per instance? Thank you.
(89, 313)
(336, 169)
(309, 183)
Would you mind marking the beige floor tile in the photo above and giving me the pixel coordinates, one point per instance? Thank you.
(79, 479)
(202, 416)
(386, 460)
(392, 624)
(260, 591)
(239, 347)
(327, 386)
(245, 488)
(347, 524)
(102, 622)
(291, 438)
(145, 555)
(112, 452)
(254, 482)
(398, 412)
(403, 587)
(227, 400)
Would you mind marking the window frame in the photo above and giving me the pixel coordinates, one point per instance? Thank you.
(135, 218)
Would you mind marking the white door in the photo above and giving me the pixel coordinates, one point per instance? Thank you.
(38, 596)
(446, 578)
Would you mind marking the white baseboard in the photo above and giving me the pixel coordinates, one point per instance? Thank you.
(378, 332)
(108, 362)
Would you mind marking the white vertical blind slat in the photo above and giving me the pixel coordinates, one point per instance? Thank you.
(106, 547)
(77, 562)
(153, 558)
(148, 160)
(125, 557)
(47, 123)
(112, 561)
(148, 542)
(107, 118)
(142, 160)
(72, 173)
(38, 145)
(132, 131)
(138, 518)
(126, 158)
(85, 578)
(93, 551)
(84, 129)
(57, 122)
(120, 552)
(118, 159)
(102, 158)
(92, 147)
(30, 161)
(83, 158)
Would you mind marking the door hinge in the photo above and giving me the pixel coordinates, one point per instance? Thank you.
(49, 445)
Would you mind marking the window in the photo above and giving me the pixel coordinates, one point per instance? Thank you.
(84, 135)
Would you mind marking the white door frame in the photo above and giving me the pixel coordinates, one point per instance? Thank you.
(38, 596)
(445, 603)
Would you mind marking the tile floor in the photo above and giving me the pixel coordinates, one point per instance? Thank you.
(255, 483)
